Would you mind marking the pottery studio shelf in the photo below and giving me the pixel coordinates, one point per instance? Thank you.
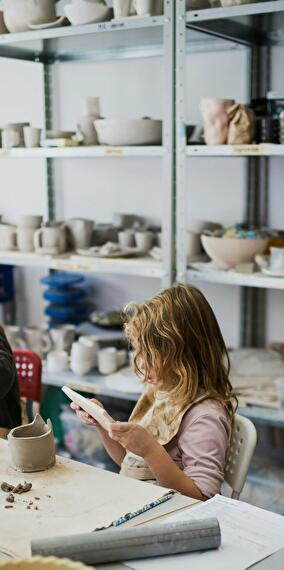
(95, 383)
(264, 149)
(232, 277)
(84, 152)
(140, 267)
(129, 37)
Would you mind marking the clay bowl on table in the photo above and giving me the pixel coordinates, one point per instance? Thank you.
(127, 132)
(86, 12)
(228, 252)
(32, 446)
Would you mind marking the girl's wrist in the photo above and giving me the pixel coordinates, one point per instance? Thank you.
(151, 453)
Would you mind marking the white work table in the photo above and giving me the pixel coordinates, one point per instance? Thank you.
(75, 498)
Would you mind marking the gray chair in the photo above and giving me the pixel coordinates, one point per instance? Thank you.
(242, 446)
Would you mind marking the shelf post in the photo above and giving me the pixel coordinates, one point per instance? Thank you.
(180, 163)
(254, 300)
(48, 110)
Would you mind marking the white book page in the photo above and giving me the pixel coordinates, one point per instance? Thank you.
(248, 535)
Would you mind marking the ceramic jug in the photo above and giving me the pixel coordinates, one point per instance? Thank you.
(51, 239)
(32, 446)
(80, 232)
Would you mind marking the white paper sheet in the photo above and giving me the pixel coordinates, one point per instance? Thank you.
(248, 534)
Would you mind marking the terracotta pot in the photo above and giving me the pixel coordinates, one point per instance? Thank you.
(32, 446)
(216, 120)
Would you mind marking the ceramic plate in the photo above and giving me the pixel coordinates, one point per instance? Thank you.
(95, 252)
(62, 21)
(272, 273)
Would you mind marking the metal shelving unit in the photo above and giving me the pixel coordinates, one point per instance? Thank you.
(117, 39)
(255, 27)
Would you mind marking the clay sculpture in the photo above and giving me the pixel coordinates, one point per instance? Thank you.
(32, 446)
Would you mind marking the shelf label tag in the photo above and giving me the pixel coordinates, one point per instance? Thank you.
(247, 149)
(114, 151)
(67, 266)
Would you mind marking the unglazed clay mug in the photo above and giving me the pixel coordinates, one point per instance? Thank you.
(57, 361)
(144, 7)
(121, 8)
(40, 11)
(8, 237)
(11, 138)
(87, 129)
(51, 238)
(80, 232)
(30, 221)
(126, 238)
(32, 446)
(32, 137)
(215, 119)
(144, 240)
(107, 360)
(25, 239)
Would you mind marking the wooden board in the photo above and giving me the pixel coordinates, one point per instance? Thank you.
(74, 498)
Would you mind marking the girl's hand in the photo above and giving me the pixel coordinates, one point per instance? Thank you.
(84, 416)
(133, 437)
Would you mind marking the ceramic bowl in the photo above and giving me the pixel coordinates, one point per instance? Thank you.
(124, 132)
(228, 252)
(85, 12)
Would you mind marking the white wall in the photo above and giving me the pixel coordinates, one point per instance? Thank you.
(98, 188)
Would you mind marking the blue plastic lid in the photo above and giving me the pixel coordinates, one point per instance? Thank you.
(62, 279)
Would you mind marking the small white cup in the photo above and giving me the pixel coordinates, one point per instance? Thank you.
(25, 239)
(126, 238)
(121, 8)
(144, 7)
(144, 240)
(80, 367)
(276, 260)
(8, 237)
(107, 360)
(57, 361)
(279, 383)
(30, 221)
(32, 137)
(10, 138)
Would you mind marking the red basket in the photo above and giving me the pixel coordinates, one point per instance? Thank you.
(29, 369)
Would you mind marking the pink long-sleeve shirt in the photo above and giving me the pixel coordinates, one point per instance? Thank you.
(200, 446)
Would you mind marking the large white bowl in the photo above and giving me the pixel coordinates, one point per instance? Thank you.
(127, 132)
(84, 12)
(228, 252)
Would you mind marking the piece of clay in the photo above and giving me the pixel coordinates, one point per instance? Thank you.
(37, 498)
(9, 507)
(25, 488)
(7, 487)
(32, 446)
(10, 498)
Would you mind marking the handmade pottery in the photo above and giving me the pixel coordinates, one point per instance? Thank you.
(32, 137)
(62, 337)
(84, 12)
(276, 259)
(14, 338)
(107, 360)
(40, 11)
(87, 130)
(57, 361)
(144, 7)
(54, 238)
(10, 138)
(8, 237)
(32, 446)
(125, 221)
(144, 240)
(16, 15)
(216, 120)
(126, 238)
(121, 8)
(37, 339)
(127, 132)
(30, 221)
(91, 106)
(80, 232)
(25, 239)
(228, 252)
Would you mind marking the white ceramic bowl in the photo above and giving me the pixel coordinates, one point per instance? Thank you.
(228, 252)
(124, 132)
(85, 12)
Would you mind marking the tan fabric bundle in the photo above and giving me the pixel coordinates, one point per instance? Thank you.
(242, 125)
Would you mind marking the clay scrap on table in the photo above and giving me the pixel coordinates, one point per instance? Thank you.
(18, 489)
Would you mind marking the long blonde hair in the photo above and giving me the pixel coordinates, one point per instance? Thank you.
(176, 335)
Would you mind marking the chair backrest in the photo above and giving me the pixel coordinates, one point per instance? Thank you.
(29, 368)
(242, 446)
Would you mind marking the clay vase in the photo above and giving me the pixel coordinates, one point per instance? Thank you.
(32, 446)
(215, 119)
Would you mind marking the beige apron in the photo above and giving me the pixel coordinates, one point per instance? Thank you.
(162, 419)
(4, 433)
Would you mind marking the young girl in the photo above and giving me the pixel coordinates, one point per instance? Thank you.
(179, 431)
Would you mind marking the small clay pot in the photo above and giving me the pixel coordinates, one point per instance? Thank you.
(32, 446)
